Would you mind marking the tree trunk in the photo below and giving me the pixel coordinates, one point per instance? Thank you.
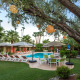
(40, 39)
(75, 35)
(72, 8)
(11, 41)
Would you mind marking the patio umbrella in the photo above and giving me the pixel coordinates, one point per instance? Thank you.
(5, 44)
(54, 43)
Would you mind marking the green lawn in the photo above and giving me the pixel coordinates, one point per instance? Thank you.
(21, 71)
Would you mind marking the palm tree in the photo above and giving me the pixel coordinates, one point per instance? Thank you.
(1, 33)
(26, 38)
(0, 22)
(35, 35)
(23, 30)
(46, 41)
(39, 35)
(15, 28)
(11, 36)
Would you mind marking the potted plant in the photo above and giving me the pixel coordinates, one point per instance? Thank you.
(54, 49)
(64, 73)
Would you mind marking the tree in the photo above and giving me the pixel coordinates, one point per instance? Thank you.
(46, 41)
(26, 38)
(43, 30)
(52, 12)
(39, 47)
(35, 35)
(39, 35)
(23, 29)
(1, 33)
(73, 44)
(0, 22)
(11, 36)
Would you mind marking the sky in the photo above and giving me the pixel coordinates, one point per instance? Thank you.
(29, 28)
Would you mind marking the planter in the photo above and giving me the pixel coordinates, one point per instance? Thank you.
(71, 77)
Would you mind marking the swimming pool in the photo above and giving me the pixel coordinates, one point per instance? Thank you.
(36, 55)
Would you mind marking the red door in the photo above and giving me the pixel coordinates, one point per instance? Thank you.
(13, 50)
(24, 48)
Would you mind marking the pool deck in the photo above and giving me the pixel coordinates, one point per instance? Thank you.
(44, 66)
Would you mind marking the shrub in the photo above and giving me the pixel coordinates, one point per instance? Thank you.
(39, 47)
(2, 53)
(9, 53)
(74, 53)
(62, 53)
(1, 50)
(78, 77)
(49, 50)
(17, 49)
(67, 52)
(63, 72)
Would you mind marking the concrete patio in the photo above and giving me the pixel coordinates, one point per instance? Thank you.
(44, 66)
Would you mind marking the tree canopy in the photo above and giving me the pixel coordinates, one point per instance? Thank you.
(47, 12)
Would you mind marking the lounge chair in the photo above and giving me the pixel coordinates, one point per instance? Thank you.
(24, 59)
(12, 58)
(6, 57)
(1, 57)
(17, 58)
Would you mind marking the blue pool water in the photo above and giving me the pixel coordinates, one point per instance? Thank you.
(36, 55)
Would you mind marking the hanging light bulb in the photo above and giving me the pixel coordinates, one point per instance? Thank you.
(50, 29)
(13, 9)
(37, 26)
(64, 37)
(17, 22)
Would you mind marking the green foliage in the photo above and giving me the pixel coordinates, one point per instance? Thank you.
(74, 53)
(63, 72)
(27, 48)
(67, 52)
(49, 50)
(9, 53)
(39, 47)
(26, 38)
(73, 44)
(11, 36)
(1, 32)
(2, 53)
(62, 53)
(55, 49)
(46, 41)
(78, 77)
(63, 47)
(1, 49)
(18, 49)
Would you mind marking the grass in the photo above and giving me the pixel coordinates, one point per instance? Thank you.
(76, 63)
(21, 71)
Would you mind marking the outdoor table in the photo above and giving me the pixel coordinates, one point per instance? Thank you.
(53, 58)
